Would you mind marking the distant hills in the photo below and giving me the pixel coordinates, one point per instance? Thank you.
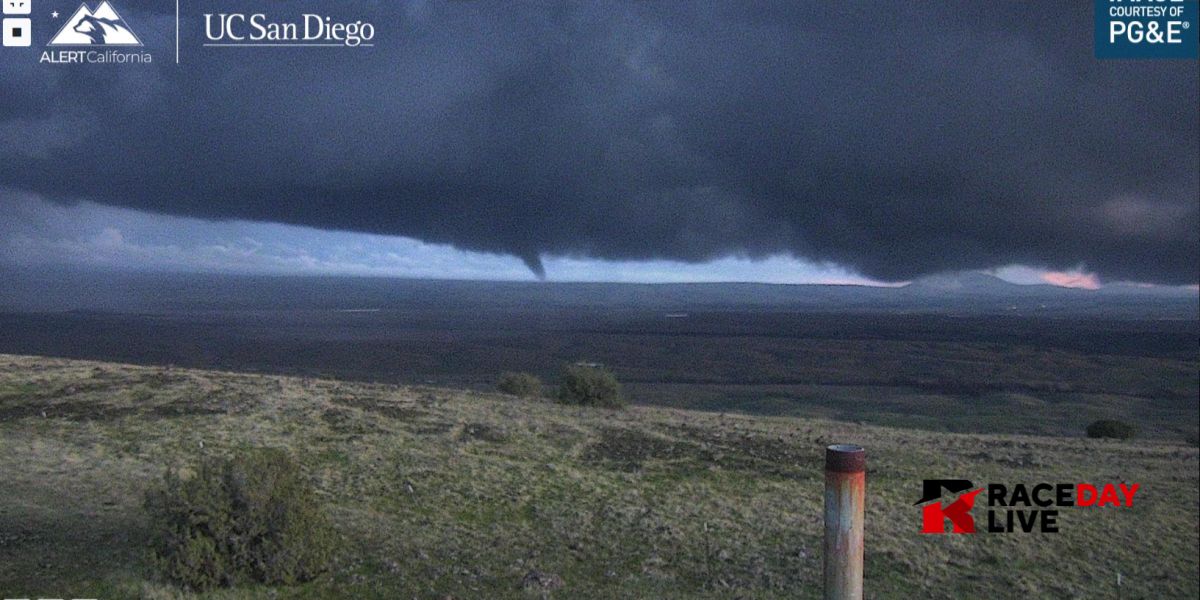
(952, 293)
(969, 282)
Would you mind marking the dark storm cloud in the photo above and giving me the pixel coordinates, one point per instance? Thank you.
(897, 139)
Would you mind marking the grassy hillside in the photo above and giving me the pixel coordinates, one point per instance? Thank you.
(1031, 375)
(442, 493)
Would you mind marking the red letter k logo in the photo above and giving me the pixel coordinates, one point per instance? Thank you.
(958, 513)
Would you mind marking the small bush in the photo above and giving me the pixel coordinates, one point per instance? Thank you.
(524, 385)
(590, 386)
(1107, 428)
(249, 518)
(1192, 438)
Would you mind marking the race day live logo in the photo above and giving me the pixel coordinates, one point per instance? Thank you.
(1019, 508)
(95, 35)
(1146, 29)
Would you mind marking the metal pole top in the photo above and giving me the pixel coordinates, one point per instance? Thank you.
(845, 458)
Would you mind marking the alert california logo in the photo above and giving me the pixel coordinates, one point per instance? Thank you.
(1017, 508)
(101, 27)
(97, 35)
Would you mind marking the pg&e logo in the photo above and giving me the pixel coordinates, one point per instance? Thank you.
(1146, 29)
(1021, 508)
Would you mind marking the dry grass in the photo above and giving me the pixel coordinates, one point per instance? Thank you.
(442, 493)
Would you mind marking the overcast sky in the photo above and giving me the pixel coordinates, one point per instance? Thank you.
(784, 141)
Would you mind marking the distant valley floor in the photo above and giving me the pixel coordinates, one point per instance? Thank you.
(935, 372)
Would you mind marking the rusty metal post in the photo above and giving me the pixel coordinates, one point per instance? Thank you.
(845, 495)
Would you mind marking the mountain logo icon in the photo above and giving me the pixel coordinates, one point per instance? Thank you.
(101, 27)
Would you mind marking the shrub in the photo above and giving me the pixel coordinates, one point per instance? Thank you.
(1108, 428)
(1192, 438)
(524, 385)
(249, 518)
(590, 386)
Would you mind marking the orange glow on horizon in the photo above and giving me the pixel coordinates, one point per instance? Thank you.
(1086, 281)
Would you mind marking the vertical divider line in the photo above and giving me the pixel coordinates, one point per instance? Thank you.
(176, 31)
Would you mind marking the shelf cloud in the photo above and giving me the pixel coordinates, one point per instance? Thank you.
(893, 141)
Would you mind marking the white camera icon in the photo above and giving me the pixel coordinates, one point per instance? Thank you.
(16, 32)
(16, 7)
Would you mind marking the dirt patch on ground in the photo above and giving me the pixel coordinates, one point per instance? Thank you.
(629, 450)
(97, 383)
(184, 409)
(72, 411)
(382, 407)
(751, 452)
(92, 411)
(433, 428)
(483, 432)
(341, 420)
(562, 436)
